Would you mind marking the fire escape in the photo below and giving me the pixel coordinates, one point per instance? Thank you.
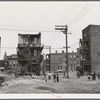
(86, 53)
(29, 53)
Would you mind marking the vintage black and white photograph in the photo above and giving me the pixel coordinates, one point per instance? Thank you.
(49, 47)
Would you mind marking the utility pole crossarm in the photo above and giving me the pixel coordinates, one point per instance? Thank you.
(60, 29)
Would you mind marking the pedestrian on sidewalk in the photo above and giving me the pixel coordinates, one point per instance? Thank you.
(57, 77)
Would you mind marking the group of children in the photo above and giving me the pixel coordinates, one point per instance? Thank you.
(49, 77)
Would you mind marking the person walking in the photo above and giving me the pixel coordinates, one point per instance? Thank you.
(64, 75)
(45, 77)
(57, 77)
(93, 76)
(78, 74)
(49, 77)
(54, 77)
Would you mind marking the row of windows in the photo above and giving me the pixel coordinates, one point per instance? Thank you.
(24, 40)
(59, 67)
(60, 56)
(62, 61)
(13, 64)
(59, 61)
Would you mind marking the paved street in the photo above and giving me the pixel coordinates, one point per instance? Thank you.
(28, 85)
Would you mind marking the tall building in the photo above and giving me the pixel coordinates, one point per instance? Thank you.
(91, 48)
(29, 53)
(57, 61)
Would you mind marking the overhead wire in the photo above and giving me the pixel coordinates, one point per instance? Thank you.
(58, 22)
(11, 29)
(78, 13)
(82, 11)
(44, 47)
(69, 16)
(74, 44)
(27, 30)
(58, 35)
(78, 7)
(73, 8)
(64, 13)
(69, 12)
(82, 15)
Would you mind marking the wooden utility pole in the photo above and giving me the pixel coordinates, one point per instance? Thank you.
(64, 29)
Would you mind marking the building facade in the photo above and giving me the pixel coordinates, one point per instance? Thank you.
(11, 62)
(2, 65)
(29, 53)
(57, 61)
(91, 49)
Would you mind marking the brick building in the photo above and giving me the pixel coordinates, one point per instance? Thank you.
(29, 53)
(90, 49)
(2, 65)
(11, 62)
(57, 61)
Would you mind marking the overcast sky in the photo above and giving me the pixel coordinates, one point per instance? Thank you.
(42, 17)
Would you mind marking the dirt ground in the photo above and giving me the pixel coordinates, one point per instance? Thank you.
(27, 85)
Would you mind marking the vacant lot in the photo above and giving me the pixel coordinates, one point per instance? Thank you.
(28, 85)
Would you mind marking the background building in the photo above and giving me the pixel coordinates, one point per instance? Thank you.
(29, 53)
(91, 49)
(11, 63)
(57, 61)
(2, 65)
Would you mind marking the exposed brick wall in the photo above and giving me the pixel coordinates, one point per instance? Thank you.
(95, 47)
(59, 60)
(92, 33)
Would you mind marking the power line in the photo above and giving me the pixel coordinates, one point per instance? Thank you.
(71, 9)
(74, 12)
(63, 14)
(10, 29)
(69, 12)
(43, 48)
(55, 40)
(82, 15)
(67, 18)
(84, 8)
(73, 44)
(8, 47)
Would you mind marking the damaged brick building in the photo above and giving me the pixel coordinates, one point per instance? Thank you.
(29, 53)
